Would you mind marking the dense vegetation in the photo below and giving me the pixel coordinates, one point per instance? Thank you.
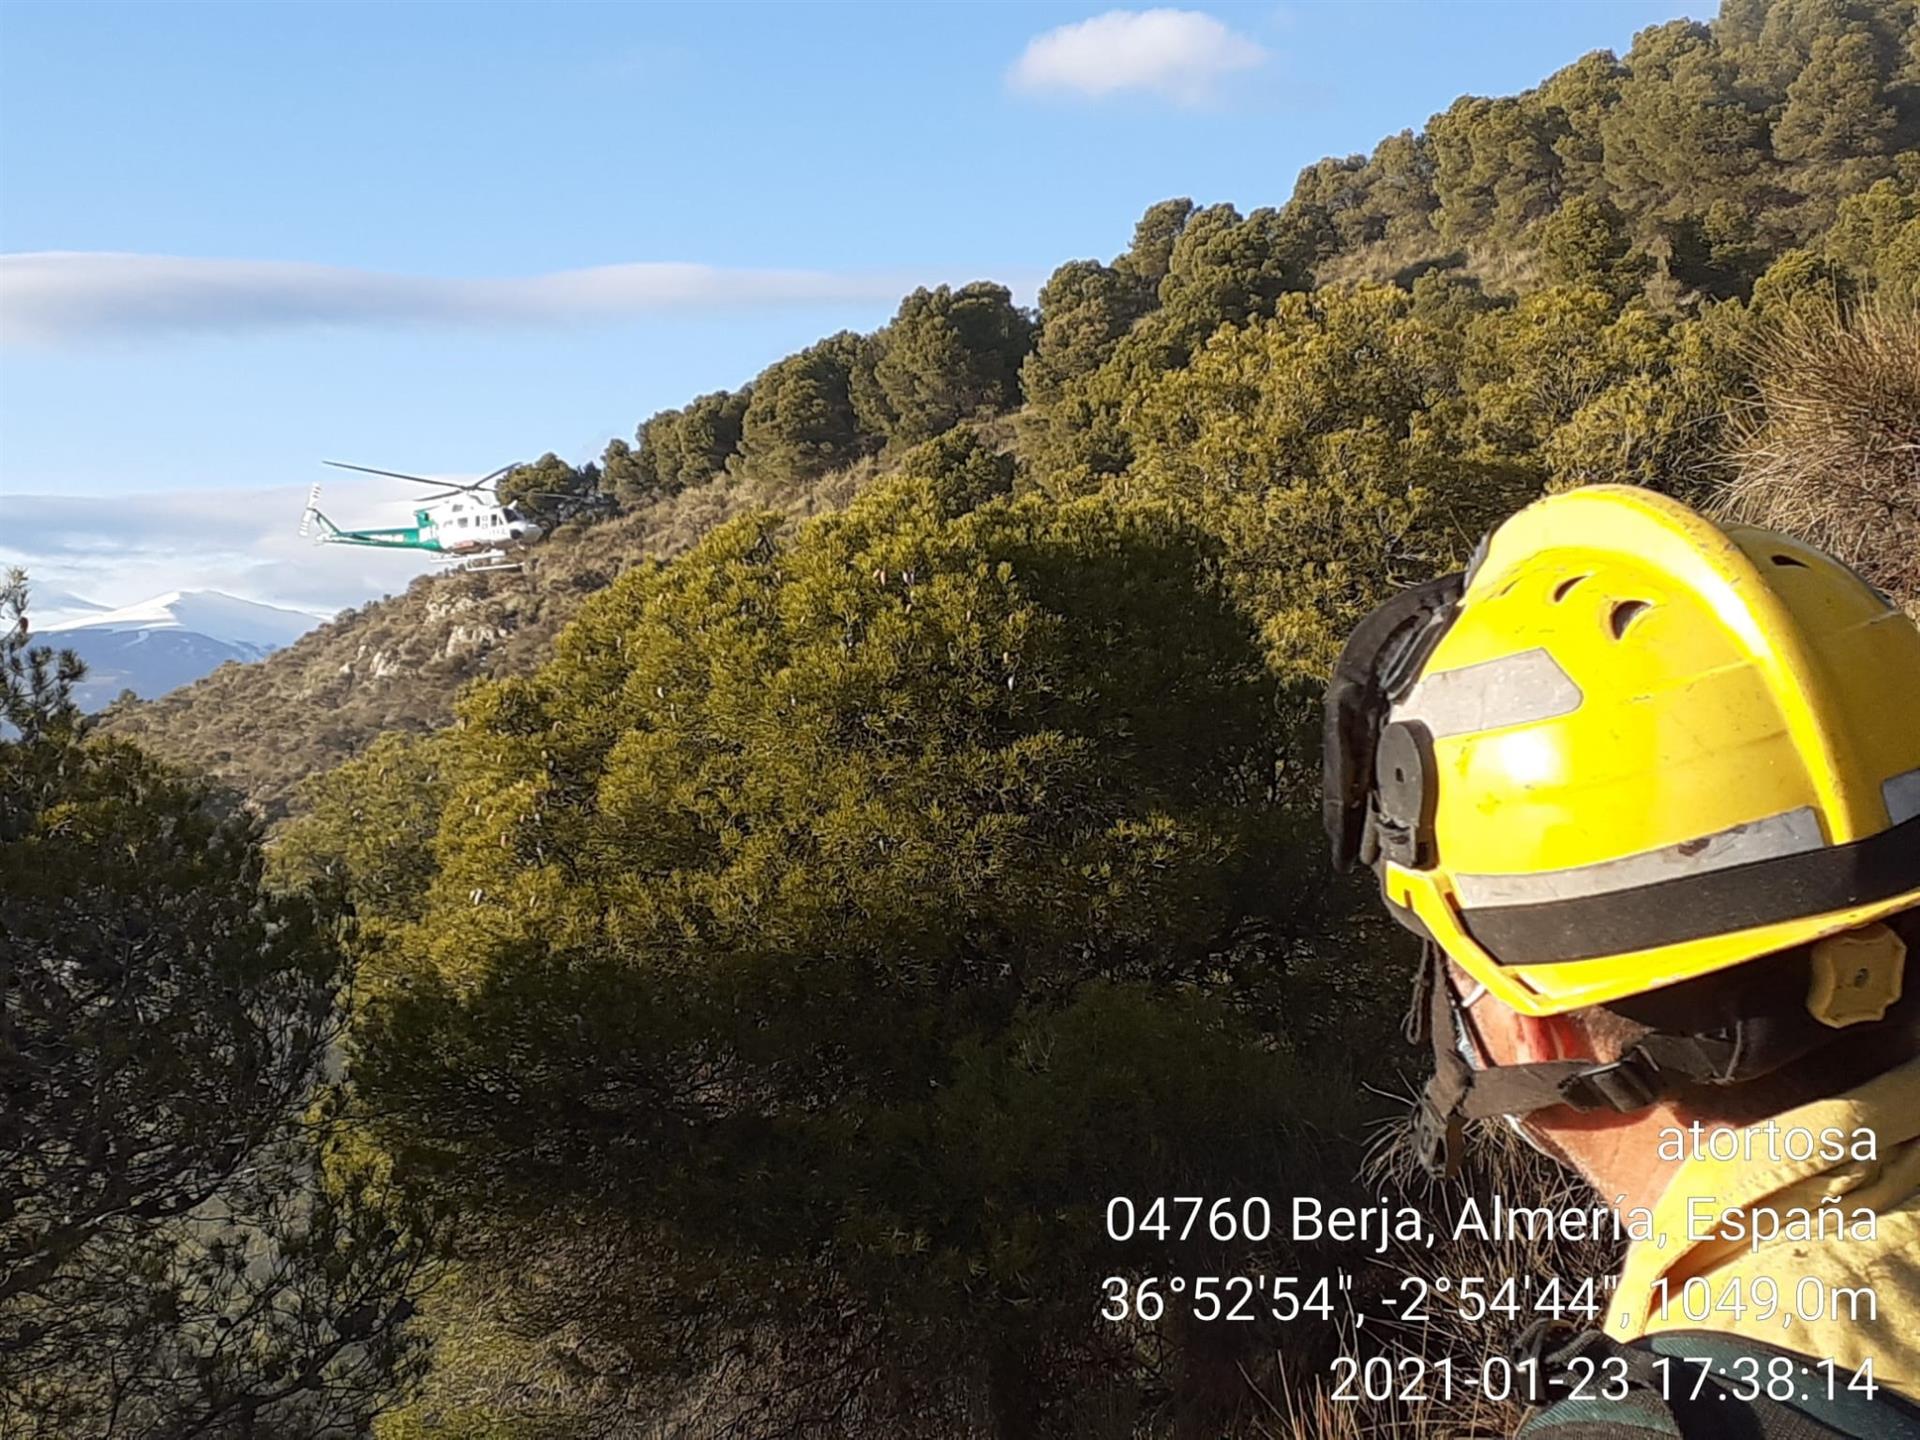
(186, 1248)
(883, 828)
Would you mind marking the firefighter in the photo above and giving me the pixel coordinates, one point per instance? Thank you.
(1649, 791)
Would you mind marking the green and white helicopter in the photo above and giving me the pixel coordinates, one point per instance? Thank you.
(463, 524)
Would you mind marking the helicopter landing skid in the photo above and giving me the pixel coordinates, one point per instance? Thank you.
(492, 560)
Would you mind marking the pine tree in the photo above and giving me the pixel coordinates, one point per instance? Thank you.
(1836, 125)
(802, 421)
(949, 355)
(1085, 309)
(185, 1249)
(795, 924)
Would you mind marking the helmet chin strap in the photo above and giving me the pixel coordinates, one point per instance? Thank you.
(1657, 1067)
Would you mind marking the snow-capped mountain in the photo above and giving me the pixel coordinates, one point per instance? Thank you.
(162, 643)
(56, 607)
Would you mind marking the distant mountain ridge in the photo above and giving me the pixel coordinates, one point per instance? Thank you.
(164, 642)
(52, 607)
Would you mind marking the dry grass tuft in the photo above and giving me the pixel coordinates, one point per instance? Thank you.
(1296, 1402)
(1828, 447)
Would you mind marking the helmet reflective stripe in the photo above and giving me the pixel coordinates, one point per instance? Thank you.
(1794, 833)
(1822, 888)
(1513, 690)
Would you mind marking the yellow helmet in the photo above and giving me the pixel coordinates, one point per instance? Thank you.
(1629, 749)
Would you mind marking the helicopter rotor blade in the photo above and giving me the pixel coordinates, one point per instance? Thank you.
(452, 487)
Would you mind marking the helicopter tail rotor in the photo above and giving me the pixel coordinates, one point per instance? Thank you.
(312, 514)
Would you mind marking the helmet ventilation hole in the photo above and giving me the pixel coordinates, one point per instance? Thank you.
(1789, 560)
(1565, 587)
(1624, 614)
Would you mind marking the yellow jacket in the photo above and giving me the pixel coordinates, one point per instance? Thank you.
(1810, 1277)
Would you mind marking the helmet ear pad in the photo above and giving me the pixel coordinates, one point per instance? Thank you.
(1380, 661)
(1403, 794)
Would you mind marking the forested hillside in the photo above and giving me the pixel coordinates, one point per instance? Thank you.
(783, 916)
(1551, 288)
(396, 664)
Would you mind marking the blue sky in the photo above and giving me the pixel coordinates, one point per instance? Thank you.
(318, 231)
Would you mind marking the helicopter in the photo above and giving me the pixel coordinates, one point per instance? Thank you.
(463, 523)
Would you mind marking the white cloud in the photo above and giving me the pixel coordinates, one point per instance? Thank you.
(1182, 55)
(50, 297)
